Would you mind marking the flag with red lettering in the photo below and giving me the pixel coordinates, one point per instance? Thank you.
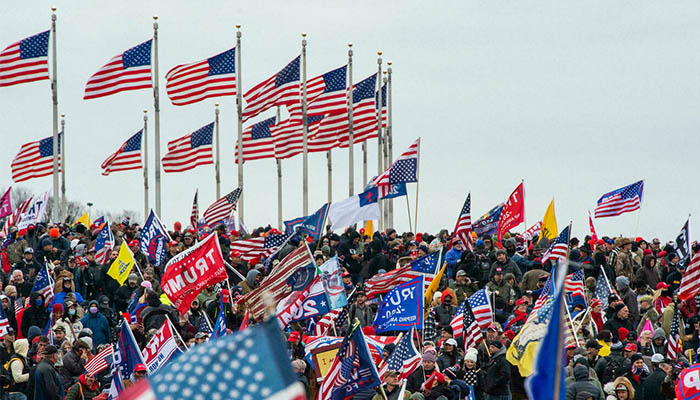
(6, 203)
(191, 271)
(290, 305)
(513, 213)
(161, 348)
(594, 236)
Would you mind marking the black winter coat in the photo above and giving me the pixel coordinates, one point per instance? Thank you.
(498, 374)
(34, 315)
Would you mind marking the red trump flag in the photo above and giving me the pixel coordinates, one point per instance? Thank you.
(513, 212)
(191, 271)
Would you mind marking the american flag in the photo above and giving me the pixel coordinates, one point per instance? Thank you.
(674, 337)
(530, 233)
(100, 362)
(326, 94)
(194, 215)
(130, 70)
(690, 283)
(404, 359)
(4, 323)
(403, 170)
(558, 248)
(463, 228)
(16, 215)
(104, 243)
(594, 236)
(289, 135)
(481, 308)
(25, 61)
(35, 159)
(44, 285)
(190, 150)
(465, 324)
(324, 325)
(126, 158)
(573, 284)
(194, 82)
(276, 283)
(260, 246)
(280, 89)
(222, 208)
(602, 289)
(382, 283)
(620, 201)
(257, 141)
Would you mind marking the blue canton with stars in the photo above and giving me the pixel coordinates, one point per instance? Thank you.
(202, 136)
(365, 89)
(288, 74)
(261, 130)
(34, 46)
(625, 193)
(248, 365)
(138, 55)
(376, 99)
(46, 146)
(335, 80)
(404, 171)
(134, 142)
(426, 264)
(224, 63)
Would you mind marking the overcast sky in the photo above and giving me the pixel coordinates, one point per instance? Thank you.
(576, 97)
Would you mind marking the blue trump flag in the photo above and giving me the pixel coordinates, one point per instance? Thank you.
(312, 225)
(354, 369)
(154, 236)
(220, 324)
(402, 308)
(126, 353)
(542, 384)
(396, 190)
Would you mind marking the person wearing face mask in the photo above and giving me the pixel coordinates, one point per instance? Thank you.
(97, 323)
(70, 321)
(34, 315)
(67, 286)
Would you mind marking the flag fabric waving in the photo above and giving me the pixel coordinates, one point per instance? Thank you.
(533, 231)
(257, 141)
(404, 359)
(574, 292)
(360, 207)
(122, 265)
(4, 323)
(250, 364)
(44, 284)
(25, 61)
(313, 224)
(104, 243)
(190, 150)
(259, 247)
(481, 308)
(130, 70)
(126, 352)
(594, 236)
(194, 214)
(559, 247)
(682, 244)
(549, 223)
(488, 223)
(161, 348)
(222, 208)
(127, 157)
(465, 324)
(16, 215)
(690, 283)
(6, 203)
(403, 170)
(194, 82)
(602, 289)
(35, 159)
(620, 201)
(463, 228)
(327, 94)
(100, 362)
(674, 338)
(280, 89)
(153, 239)
(513, 213)
(402, 308)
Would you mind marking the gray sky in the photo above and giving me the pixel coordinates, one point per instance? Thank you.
(578, 98)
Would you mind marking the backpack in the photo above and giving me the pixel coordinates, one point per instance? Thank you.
(612, 370)
(6, 374)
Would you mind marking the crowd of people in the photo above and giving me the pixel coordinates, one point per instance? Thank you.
(620, 351)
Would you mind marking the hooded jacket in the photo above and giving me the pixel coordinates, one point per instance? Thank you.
(81, 391)
(99, 326)
(445, 311)
(248, 285)
(498, 374)
(19, 366)
(582, 383)
(34, 315)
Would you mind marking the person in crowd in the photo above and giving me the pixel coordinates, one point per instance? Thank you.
(19, 370)
(87, 388)
(497, 382)
(47, 383)
(97, 323)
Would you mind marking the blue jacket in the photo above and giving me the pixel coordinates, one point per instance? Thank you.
(60, 298)
(99, 326)
(452, 256)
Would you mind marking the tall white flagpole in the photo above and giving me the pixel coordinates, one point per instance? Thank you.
(389, 135)
(380, 166)
(217, 166)
(279, 185)
(351, 138)
(239, 110)
(305, 124)
(385, 147)
(144, 143)
(54, 94)
(156, 107)
(63, 166)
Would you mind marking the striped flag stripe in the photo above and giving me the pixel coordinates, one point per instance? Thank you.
(690, 283)
(115, 76)
(34, 67)
(29, 163)
(194, 82)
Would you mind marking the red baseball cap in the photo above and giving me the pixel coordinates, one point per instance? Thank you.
(133, 243)
(631, 347)
(140, 368)
(663, 285)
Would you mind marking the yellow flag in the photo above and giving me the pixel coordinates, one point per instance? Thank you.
(430, 291)
(85, 220)
(165, 300)
(549, 223)
(369, 229)
(121, 267)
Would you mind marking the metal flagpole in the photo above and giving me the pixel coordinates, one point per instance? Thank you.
(364, 163)
(279, 185)
(54, 95)
(389, 138)
(417, 186)
(522, 182)
(156, 107)
(239, 110)
(380, 167)
(385, 149)
(329, 156)
(217, 166)
(145, 163)
(351, 138)
(63, 167)
(305, 125)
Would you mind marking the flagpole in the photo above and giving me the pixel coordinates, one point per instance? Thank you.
(279, 184)
(329, 156)
(305, 126)
(63, 166)
(417, 185)
(408, 207)
(145, 163)
(54, 95)
(380, 167)
(364, 163)
(385, 148)
(177, 333)
(389, 138)
(217, 166)
(239, 110)
(351, 135)
(522, 182)
(156, 107)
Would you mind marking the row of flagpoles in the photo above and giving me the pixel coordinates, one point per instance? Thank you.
(137, 68)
